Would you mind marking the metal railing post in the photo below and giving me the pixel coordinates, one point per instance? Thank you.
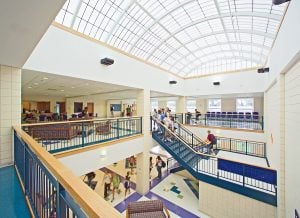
(82, 134)
(192, 140)
(141, 118)
(262, 122)
(243, 175)
(246, 147)
(265, 150)
(118, 133)
(58, 204)
(205, 119)
(230, 144)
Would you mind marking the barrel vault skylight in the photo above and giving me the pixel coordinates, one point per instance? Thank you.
(186, 37)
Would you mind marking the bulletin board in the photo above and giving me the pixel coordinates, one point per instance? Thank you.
(117, 107)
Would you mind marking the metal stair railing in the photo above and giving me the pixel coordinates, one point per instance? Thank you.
(254, 181)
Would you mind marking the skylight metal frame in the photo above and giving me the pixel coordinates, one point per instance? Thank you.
(171, 33)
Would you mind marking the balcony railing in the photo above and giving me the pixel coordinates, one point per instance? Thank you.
(62, 136)
(51, 188)
(242, 146)
(238, 121)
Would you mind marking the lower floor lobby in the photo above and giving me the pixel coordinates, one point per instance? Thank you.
(178, 193)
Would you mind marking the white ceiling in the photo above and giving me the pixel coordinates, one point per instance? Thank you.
(45, 84)
(51, 85)
(23, 23)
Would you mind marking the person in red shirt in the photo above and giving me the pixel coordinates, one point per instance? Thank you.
(209, 141)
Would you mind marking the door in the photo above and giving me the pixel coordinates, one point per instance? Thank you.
(62, 107)
(78, 106)
(90, 107)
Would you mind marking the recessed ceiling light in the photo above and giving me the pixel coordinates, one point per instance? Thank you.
(45, 78)
(72, 87)
(67, 95)
(87, 84)
(35, 84)
(29, 87)
(62, 90)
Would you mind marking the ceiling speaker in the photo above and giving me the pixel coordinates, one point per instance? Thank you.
(107, 61)
(216, 83)
(263, 70)
(172, 82)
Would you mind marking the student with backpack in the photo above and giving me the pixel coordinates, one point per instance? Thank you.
(210, 141)
(127, 184)
(159, 165)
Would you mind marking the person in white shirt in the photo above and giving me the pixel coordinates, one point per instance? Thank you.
(107, 181)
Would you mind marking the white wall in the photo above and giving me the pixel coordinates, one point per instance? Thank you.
(272, 124)
(218, 202)
(287, 44)
(101, 157)
(231, 83)
(10, 110)
(292, 148)
(64, 53)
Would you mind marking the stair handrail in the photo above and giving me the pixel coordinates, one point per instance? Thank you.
(176, 136)
(189, 131)
(208, 155)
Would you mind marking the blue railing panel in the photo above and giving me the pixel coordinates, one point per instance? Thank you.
(41, 187)
(250, 171)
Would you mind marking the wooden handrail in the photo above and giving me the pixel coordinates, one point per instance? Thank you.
(79, 121)
(167, 212)
(194, 135)
(196, 152)
(92, 204)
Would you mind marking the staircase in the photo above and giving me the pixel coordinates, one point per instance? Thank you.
(252, 181)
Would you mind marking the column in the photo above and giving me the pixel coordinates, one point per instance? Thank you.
(281, 173)
(181, 105)
(143, 109)
(181, 108)
(10, 110)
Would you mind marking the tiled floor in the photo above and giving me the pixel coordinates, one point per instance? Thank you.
(12, 201)
(186, 205)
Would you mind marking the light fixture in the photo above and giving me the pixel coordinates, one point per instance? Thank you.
(62, 90)
(35, 84)
(29, 87)
(72, 87)
(45, 78)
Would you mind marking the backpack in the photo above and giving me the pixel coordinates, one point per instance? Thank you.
(163, 164)
(126, 184)
(214, 141)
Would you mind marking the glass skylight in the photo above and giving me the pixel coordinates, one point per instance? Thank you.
(186, 37)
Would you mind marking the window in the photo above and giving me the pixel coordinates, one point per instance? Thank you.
(191, 106)
(245, 105)
(172, 106)
(214, 105)
(154, 105)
